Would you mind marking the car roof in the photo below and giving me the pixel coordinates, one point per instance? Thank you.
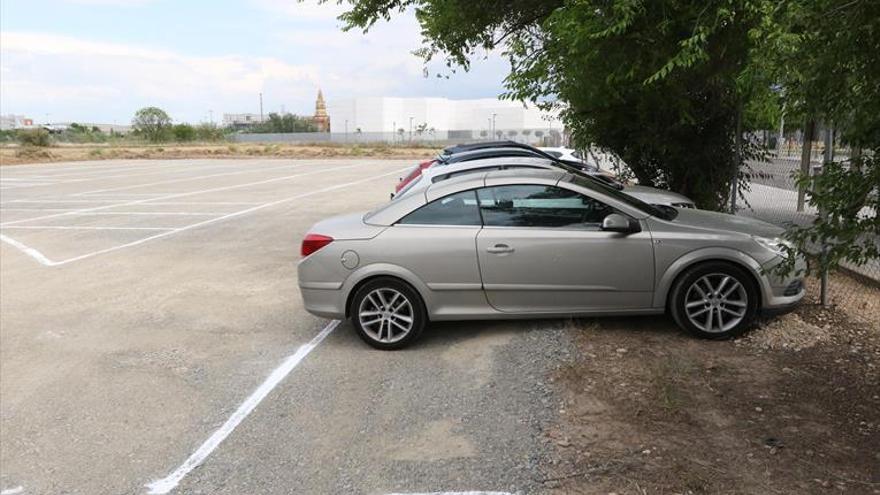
(428, 175)
(462, 147)
(488, 153)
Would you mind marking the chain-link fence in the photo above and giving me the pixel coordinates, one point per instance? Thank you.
(772, 196)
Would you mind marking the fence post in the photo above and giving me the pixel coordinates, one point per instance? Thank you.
(737, 140)
(829, 157)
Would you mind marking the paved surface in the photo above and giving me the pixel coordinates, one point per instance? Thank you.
(143, 302)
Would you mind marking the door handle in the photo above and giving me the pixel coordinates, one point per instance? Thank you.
(500, 249)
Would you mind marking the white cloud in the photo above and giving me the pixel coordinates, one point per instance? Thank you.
(71, 75)
(112, 3)
(302, 10)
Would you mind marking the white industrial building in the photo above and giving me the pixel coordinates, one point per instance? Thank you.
(441, 118)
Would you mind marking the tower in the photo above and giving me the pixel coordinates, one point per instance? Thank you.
(321, 119)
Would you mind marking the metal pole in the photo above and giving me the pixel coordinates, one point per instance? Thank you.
(410, 128)
(737, 140)
(261, 108)
(393, 131)
(493, 124)
(829, 157)
(781, 137)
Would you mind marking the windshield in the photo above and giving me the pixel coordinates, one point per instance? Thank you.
(588, 182)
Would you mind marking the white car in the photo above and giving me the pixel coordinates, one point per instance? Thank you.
(563, 153)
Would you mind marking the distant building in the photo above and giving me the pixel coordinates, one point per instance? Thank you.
(10, 122)
(321, 119)
(241, 120)
(443, 118)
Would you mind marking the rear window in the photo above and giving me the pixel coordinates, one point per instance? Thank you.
(456, 209)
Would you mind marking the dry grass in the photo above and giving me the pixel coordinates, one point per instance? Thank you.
(791, 408)
(14, 155)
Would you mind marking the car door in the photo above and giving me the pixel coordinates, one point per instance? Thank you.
(542, 250)
(436, 243)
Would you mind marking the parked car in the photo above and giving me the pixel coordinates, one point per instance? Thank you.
(563, 153)
(537, 244)
(484, 149)
(440, 171)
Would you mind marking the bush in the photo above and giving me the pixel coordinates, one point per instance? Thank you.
(34, 137)
(183, 132)
(210, 132)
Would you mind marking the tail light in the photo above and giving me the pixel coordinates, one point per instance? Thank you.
(313, 242)
(415, 174)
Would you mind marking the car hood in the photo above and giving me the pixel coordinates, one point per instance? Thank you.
(711, 220)
(656, 196)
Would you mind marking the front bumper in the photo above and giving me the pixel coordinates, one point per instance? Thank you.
(782, 292)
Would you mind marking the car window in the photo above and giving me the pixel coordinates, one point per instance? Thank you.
(455, 209)
(540, 206)
(554, 154)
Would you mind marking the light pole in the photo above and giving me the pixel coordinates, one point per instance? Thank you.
(493, 123)
(261, 108)
(393, 131)
(346, 130)
(489, 128)
(410, 128)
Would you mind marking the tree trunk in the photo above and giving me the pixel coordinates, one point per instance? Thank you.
(806, 150)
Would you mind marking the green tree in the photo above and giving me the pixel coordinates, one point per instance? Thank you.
(284, 123)
(662, 84)
(828, 55)
(152, 123)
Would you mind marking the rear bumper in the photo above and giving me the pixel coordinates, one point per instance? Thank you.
(326, 303)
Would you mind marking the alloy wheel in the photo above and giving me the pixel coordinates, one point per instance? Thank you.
(716, 303)
(386, 315)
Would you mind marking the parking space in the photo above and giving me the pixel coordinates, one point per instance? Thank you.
(147, 304)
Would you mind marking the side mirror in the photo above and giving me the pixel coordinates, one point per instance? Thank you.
(616, 222)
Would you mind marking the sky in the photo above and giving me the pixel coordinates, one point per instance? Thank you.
(99, 61)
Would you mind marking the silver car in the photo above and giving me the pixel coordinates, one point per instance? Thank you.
(437, 173)
(535, 244)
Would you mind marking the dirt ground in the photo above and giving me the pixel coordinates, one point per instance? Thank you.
(791, 407)
(15, 155)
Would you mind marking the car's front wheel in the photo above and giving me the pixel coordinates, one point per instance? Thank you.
(715, 300)
(387, 313)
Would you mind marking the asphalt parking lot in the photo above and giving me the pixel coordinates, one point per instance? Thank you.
(153, 339)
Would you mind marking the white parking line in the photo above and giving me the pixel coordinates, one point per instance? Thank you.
(184, 194)
(84, 227)
(42, 259)
(24, 248)
(185, 179)
(171, 481)
(12, 491)
(38, 201)
(103, 176)
(154, 213)
(455, 493)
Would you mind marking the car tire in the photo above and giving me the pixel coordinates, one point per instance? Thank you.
(388, 313)
(709, 291)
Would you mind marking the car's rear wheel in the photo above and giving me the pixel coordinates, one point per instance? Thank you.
(387, 313)
(715, 300)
